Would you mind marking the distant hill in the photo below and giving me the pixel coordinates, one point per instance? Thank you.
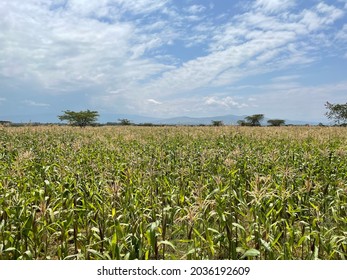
(227, 120)
(104, 118)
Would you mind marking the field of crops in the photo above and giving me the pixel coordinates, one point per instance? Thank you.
(173, 193)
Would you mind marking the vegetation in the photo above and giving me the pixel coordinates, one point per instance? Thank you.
(243, 123)
(173, 193)
(81, 119)
(337, 112)
(253, 120)
(124, 122)
(217, 123)
(5, 123)
(276, 122)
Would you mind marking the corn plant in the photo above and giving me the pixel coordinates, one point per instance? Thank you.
(173, 193)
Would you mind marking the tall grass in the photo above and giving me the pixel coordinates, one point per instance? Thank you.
(173, 193)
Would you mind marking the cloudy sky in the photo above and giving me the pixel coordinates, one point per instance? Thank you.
(166, 58)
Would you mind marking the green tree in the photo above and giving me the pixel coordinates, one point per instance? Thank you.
(217, 123)
(5, 123)
(124, 122)
(254, 120)
(243, 123)
(81, 119)
(276, 122)
(337, 112)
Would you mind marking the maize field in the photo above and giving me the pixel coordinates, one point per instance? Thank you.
(147, 193)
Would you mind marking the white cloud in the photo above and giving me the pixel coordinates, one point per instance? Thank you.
(300, 102)
(250, 44)
(320, 17)
(225, 102)
(143, 6)
(113, 9)
(274, 5)
(285, 78)
(66, 52)
(195, 9)
(117, 49)
(35, 104)
(153, 101)
(70, 49)
(342, 34)
(343, 1)
(115, 92)
(330, 12)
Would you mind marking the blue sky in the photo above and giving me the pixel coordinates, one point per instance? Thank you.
(167, 58)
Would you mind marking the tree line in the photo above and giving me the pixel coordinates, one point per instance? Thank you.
(84, 118)
(335, 112)
(255, 120)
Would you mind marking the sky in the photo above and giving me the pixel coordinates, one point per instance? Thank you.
(167, 58)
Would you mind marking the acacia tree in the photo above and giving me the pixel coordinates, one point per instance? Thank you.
(81, 119)
(217, 123)
(124, 122)
(254, 120)
(276, 122)
(243, 123)
(337, 112)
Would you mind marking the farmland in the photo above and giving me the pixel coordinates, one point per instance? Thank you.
(173, 193)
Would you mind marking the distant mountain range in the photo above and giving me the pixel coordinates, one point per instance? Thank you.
(114, 118)
(227, 119)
